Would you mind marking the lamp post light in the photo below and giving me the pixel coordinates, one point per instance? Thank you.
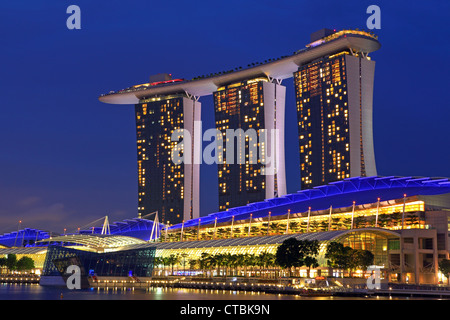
(287, 225)
(353, 214)
(309, 218)
(250, 224)
(378, 210)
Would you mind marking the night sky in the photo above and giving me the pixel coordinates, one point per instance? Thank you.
(67, 159)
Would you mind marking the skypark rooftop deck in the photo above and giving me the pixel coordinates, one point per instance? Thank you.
(281, 68)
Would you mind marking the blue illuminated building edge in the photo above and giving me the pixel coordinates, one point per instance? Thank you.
(339, 194)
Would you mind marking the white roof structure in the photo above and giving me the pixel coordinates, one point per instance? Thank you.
(95, 242)
(280, 69)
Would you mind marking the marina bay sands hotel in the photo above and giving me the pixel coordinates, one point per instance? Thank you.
(333, 79)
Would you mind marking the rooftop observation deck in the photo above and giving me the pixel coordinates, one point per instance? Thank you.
(279, 68)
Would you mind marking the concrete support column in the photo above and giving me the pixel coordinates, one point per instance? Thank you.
(435, 260)
(417, 260)
(274, 119)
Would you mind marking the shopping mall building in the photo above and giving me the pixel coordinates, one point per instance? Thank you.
(403, 221)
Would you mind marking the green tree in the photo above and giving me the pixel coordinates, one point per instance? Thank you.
(412, 219)
(362, 258)
(288, 254)
(293, 226)
(11, 262)
(25, 264)
(323, 225)
(359, 222)
(383, 220)
(338, 255)
(172, 260)
(254, 230)
(297, 253)
(396, 218)
(336, 223)
(313, 226)
(308, 251)
(2, 262)
(444, 267)
(347, 222)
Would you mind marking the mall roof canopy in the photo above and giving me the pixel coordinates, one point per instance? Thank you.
(340, 194)
(26, 250)
(266, 240)
(95, 242)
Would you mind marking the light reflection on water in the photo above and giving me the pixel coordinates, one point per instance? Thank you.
(37, 292)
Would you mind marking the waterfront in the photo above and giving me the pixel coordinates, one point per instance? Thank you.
(37, 292)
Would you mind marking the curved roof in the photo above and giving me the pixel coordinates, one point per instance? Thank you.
(340, 194)
(26, 250)
(23, 237)
(96, 242)
(266, 240)
(278, 69)
(135, 227)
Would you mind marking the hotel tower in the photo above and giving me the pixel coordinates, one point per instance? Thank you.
(164, 186)
(254, 104)
(334, 95)
(333, 77)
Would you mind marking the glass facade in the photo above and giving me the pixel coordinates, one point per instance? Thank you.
(240, 106)
(377, 243)
(323, 121)
(160, 181)
(136, 262)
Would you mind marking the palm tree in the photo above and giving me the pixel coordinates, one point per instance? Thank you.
(173, 259)
(314, 226)
(275, 227)
(265, 259)
(294, 226)
(246, 262)
(347, 222)
(412, 219)
(221, 233)
(336, 223)
(165, 262)
(359, 222)
(254, 230)
(303, 227)
(207, 261)
(396, 218)
(383, 220)
(237, 232)
(182, 259)
(233, 263)
(193, 263)
(323, 225)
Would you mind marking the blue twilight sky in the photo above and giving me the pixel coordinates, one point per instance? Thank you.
(66, 159)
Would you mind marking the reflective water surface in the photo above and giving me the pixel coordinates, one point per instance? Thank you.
(37, 292)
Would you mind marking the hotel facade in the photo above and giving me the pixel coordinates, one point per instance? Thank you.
(333, 84)
(334, 96)
(165, 187)
(256, 105)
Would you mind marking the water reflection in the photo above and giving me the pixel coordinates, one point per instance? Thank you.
(37, 292)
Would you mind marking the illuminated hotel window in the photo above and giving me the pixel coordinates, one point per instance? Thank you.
(160, 180)
(240, 105)
(322, 116)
